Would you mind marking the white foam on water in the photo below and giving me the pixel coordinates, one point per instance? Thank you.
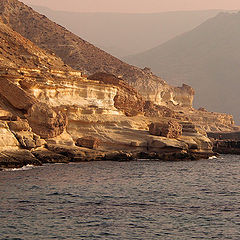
(24, 168)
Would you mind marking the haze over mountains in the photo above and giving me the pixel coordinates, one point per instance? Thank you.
(122, 34)
(207, 58)
(135, 6)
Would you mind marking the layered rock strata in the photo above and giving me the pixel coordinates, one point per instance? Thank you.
(208, 121)
(170, 129)
(101, 127)
(235, 135)
(18, 52)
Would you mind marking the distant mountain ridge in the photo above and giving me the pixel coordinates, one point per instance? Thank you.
(207, 58)
(123, 34)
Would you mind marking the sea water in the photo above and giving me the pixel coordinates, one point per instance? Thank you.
(123, 200)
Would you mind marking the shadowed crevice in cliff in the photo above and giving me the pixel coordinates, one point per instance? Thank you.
(15, 95)
(10, 112)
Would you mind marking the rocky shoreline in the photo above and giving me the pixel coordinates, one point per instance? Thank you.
(75, 120)
(164, 141)
(88, 120)
(226, 142)
(61, 154)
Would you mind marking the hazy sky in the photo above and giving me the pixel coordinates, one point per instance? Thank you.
(135, 5)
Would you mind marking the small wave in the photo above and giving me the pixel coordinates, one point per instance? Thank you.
(213, 157)
(24, 168)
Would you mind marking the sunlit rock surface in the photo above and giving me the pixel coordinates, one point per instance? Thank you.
(70, 107)
(7, 138)
(46, 106)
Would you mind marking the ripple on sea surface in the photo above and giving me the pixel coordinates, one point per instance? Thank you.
(123, 200)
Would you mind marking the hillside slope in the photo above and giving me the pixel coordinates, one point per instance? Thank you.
(207, 58)
(116, 33)
(17, 51)
(82, 55)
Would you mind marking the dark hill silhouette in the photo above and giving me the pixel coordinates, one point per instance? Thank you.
(207, 58)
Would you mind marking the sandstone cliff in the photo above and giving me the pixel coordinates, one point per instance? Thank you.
(46, 107)
(65, 111)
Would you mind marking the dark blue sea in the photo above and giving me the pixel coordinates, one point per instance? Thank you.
(123, 200)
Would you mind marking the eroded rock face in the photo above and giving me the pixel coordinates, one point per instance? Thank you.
(127, 99)
(94, 107)
(88, 142)
(170, 129)
(46, 122)
(184, 95)
(26, 138)
(77, 154)
(15, 95)
(29, 140)
(209, 121)
(189, 129)
(166, 143)
(27, 84)
(203, 142)
(227, 146)
(63, 139)
(225, 142)
(131, 105)
(17, 126)
(225, 135)
(7, 139)
(82, 55)
(46, 156)
(19, 158)
(152, 110)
